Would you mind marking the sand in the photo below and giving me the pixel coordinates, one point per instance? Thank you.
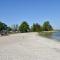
(28, 46)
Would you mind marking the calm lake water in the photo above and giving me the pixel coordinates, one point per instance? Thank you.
(52, 35)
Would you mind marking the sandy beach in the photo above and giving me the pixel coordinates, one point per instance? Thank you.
(28, 46)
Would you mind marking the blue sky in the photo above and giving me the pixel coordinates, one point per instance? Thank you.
(32, 11)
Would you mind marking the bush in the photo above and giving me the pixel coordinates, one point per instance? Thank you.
(3, 26)
(36, 28)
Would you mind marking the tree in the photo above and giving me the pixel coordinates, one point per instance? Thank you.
(9, 29)
(3, 26)
(24, 27)
(36, 28)
(47, 26)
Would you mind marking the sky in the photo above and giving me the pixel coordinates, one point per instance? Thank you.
(32, 11)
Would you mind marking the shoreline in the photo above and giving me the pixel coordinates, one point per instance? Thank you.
(50, 31)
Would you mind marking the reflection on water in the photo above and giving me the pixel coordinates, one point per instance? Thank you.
(52, 35)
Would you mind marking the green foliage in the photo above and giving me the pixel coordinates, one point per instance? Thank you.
(36, 28)
(47, 26)
(24, 27)
(3, 26)
(9, 29)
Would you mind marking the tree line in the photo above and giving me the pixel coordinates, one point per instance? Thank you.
(24, 27)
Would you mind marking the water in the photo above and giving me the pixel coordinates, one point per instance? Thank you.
(52, 35)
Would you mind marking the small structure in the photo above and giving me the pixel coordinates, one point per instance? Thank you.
(4, 32)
